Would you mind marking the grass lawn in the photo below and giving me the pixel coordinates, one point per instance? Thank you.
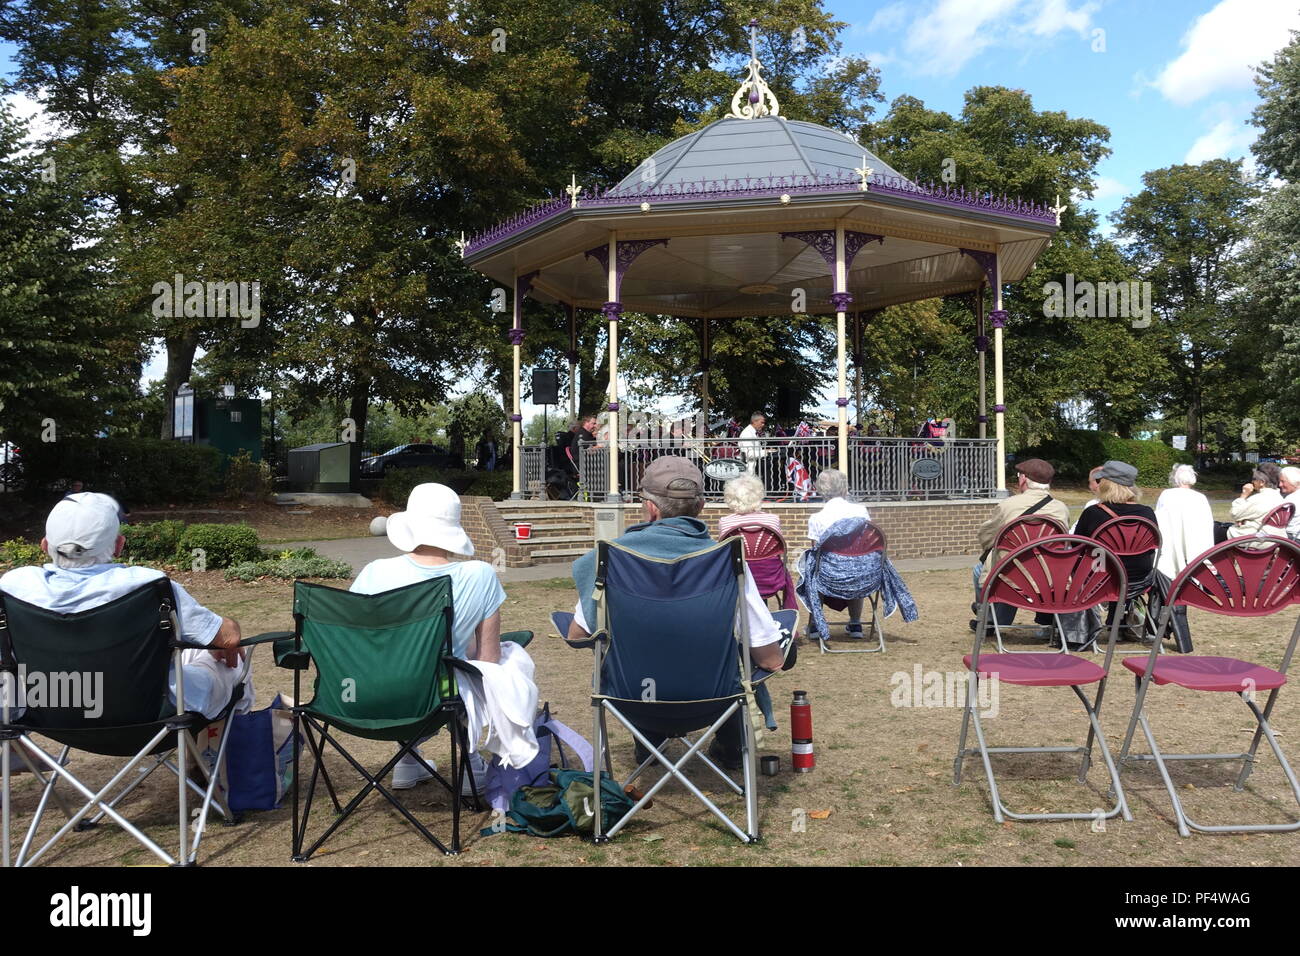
(884, 773)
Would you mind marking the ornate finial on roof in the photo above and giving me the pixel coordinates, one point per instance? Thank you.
(573, 189)
(1058, 208)
(754, 99)
(461, 243)
(865, 172)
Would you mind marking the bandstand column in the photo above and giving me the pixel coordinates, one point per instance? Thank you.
(981, 349)
(613, 309)
(841, 299)
(516, 419)
(572, 356)
(999, 319)
(706, 363)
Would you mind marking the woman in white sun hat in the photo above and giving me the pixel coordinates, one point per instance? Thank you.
(430, 533)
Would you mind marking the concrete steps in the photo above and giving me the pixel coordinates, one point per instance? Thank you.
(559, 534)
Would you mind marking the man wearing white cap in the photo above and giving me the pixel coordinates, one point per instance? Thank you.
(430, 533)
(81, 538)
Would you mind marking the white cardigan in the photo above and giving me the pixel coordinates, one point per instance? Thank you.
(1186, 528)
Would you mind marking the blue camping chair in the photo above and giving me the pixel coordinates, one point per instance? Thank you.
(666, 665)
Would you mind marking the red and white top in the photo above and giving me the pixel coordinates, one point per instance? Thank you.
(762, 518)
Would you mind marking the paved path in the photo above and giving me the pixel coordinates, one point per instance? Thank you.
(359, 551)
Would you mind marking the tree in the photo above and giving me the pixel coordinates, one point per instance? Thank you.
(1184, 233)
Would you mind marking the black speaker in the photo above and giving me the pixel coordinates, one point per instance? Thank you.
(546, 386)
(787, 403)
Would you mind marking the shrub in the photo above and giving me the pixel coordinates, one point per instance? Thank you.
(246, 478)
(302, 563)
(1075, 452)
(17, 553)
(223, 545)
(133, 470)
(154, 541)
(397, 484)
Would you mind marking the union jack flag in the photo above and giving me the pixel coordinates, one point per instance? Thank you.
(799, 478)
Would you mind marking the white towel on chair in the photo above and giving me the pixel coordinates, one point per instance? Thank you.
(502, 702)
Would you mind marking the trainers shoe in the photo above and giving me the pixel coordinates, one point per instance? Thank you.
(853, 629)
(410, 772)
(477, 766)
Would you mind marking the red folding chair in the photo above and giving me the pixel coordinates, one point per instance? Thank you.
(1015, 534)
(1130, 536)
(1061, 574)
(1244, 577)
(765, 554)
(866, 540)
(1277, 520)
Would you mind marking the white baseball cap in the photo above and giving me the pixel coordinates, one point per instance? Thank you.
(84, 522)
(432, 517)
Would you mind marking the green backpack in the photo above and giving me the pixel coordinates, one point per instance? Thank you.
(563, 806)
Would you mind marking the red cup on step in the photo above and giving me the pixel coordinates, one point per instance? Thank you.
(523, 531)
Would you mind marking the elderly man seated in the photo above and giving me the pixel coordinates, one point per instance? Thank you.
(833, 488)
(1033, 496)
(672, 493)
(81, 538)
(1289, 483)
(1258, 497)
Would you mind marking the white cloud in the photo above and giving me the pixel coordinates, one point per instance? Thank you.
(1227, 139)
(888, 18)
(944, 38)
(1222, 46)
(40, 125)
(1109, 188)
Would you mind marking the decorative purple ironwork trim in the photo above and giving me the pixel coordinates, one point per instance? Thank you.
(613, 406)
(841, 301)
(982, 419)
(842, 402)
(853, 243)
(612, 310)
(999, 318)
(981, 343)
(524, 284)
(600, 254)
(988, 261)
(516, 418)
(833, 182)
(823, 240)
(516, 336)
(628, 252)
(999, 409)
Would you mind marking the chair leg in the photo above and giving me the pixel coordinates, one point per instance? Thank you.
(971, 690)
(602, 748)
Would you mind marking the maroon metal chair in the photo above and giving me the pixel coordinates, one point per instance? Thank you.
(867, 539)
(1130, 536)
(1278, 519)
(765, 553)
(1244, 577)
(1061, 574)
(1017, 533)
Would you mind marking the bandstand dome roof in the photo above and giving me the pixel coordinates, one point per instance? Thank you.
(732, 150)
(739, 218)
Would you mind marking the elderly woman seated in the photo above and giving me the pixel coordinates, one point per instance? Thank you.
(1258, 497)
(830, 577)
(765, 549)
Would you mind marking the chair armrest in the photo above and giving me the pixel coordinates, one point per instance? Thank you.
(522, 638)
(289, 658)
(263, 638)
(590, 641)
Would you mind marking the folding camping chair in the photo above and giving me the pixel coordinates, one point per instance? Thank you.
(666, 664)
(866, 539)
(129, 644)
(1060, 574)
(384, 671)
(765, 553)
(1278, 520)
(1129, 536)
(1244, 577)
(1014, 534)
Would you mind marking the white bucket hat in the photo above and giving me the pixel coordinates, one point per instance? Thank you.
(432, 517)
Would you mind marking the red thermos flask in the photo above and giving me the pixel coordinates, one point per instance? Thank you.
(802, 758)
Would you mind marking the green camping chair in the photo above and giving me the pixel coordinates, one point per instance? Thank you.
(129, 644)
(384, 671)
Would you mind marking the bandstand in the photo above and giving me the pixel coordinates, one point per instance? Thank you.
(751, 215)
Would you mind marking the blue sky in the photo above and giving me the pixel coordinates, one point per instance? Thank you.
(1171, 79)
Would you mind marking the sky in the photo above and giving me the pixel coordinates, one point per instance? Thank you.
(1171, 79)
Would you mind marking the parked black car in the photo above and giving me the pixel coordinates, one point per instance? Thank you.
(410, 456)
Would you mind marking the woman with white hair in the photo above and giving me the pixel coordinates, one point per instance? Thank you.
(1289, 483)
(744, 496)
(1186, 530)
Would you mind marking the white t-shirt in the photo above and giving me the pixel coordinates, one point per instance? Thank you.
(751, 444)
(1293, 529)
(476, 593)
(834, 510)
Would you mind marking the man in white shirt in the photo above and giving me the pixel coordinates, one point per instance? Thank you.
(833, 486)
(751, 446)
(1289, 483)
(81, 538)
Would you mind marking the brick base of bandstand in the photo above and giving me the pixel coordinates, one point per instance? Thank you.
(562, 530)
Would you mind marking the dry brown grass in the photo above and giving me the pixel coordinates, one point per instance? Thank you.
(885, 773)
